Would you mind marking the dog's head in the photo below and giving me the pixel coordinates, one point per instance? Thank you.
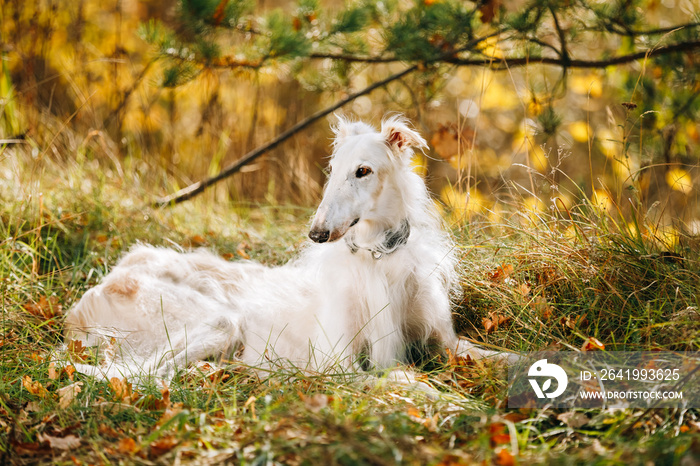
(364, 185)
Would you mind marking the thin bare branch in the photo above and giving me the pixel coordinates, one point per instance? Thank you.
(196, 188)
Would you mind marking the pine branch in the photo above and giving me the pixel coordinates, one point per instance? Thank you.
(619, 30)
(522, 61)
(574, 63)
(198, 187)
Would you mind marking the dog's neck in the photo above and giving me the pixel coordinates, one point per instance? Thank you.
(393, 239)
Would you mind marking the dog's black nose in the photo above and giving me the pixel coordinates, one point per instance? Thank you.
(319, 236)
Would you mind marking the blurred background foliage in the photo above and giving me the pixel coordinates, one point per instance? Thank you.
(541, 105)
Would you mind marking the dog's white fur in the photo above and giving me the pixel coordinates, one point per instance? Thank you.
(329, 305)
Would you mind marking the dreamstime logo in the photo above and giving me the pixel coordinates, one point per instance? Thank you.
(542, 369)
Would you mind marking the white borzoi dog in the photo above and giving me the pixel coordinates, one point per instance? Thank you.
(378, 276)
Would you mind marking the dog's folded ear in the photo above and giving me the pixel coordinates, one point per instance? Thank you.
(399, 136)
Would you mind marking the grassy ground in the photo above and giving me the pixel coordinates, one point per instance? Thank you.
(531, 281)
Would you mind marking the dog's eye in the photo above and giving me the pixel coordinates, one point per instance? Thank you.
(363, 171)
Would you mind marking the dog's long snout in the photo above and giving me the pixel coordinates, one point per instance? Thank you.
(319, 236)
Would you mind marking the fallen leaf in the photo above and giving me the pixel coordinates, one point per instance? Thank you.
(164, 402)
(515, 417)
(67, 394)
(69, 442)
(573, 419)
(196, 241)
(127, 445)
(107, 431)
(412, 411)
(494, 319)
(162, 446)
(35, 388)
(242, 250)
(122, 390)
(501, 273)
(170, 413)
(53, 375)
(592, 344)
(540, 305)
(499, 435)
(76, 350)
(315, 403)
(33, 407)
(573, 321)
(45, 308)
(524, 289)
(488, 324)
(504, 457)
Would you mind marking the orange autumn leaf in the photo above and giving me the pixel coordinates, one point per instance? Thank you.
(127, 445)
(498, 434)
(501, 273)
(592, 344)
(70, 370)
(412, 411)
(196, 241)
(504, 457)
(122, 390)
(35, 388)
(45, 308)
(76, 350)
(494, 319)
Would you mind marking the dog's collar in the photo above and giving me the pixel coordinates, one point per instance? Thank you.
(394, 238)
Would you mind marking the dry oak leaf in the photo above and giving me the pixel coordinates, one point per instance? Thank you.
(45, 308)
(67, 394)
(76, 350)
(69, 442)
(162, 446)
(123, 391)
(573, 419)
(492, 322)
